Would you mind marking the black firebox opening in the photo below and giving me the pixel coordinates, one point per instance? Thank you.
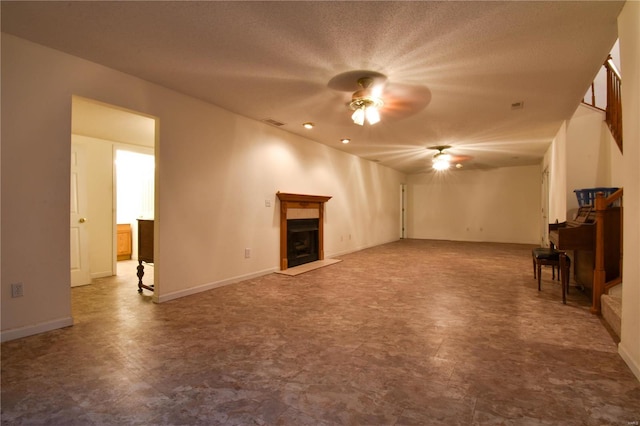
(302, 241)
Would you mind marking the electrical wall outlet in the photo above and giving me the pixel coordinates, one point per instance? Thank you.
(247, 253)
(17, 290)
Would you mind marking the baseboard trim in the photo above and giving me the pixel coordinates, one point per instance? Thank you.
(18, 333)
(628, 359)
(211, 286)
(102, 274)
(355, 249)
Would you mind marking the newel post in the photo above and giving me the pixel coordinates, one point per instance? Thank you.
(599, 273)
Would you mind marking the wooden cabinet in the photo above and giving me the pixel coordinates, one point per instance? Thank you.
(145, 240)
(145, 250)
(124, 241)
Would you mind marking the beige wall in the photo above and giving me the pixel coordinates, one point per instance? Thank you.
(215, 172)
(629, 32)
(499, 205)
(582, 155)
(593, 158)
(555, 163)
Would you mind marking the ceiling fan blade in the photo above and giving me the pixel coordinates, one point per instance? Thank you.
(460, 158)
(404, 100)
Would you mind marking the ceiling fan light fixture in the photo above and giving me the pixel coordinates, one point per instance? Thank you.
(365, 103)
(441, 160)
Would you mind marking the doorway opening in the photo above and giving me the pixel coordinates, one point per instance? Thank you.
(117, 187)
(135, 182)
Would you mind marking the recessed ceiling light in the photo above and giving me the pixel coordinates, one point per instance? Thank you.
(308, 125)
(345, 140)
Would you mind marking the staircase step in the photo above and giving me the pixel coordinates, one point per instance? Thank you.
(612, 312)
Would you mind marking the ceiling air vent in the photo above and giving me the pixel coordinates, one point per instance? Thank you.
(273, 122)
(517, 105)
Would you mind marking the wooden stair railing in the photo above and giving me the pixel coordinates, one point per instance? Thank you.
(600, 286)
(613, 111)
(614, 102)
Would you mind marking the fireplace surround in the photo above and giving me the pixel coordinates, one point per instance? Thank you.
(304, 214)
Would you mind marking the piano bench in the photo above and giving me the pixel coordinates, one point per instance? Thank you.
(555, 259)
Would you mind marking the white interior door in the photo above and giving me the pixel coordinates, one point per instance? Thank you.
(80, 271)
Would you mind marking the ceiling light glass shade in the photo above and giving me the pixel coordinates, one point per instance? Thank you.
(366, 109)
(372, 114)
(441, 164)
(358, 116)
(441, 161)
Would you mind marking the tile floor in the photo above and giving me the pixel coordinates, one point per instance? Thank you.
(413, 332)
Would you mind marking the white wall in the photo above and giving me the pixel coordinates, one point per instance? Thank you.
(593, 158)
(214, 172)
(499, 205)
(582, 155)
(555, 161)
(629, 32)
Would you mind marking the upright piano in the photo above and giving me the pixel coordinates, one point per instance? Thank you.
(579, 236)
(145, 250)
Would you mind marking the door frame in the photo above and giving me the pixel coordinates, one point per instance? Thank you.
(544, 208)
(403, 211)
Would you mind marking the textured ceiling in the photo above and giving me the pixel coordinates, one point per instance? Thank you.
(453, 69)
